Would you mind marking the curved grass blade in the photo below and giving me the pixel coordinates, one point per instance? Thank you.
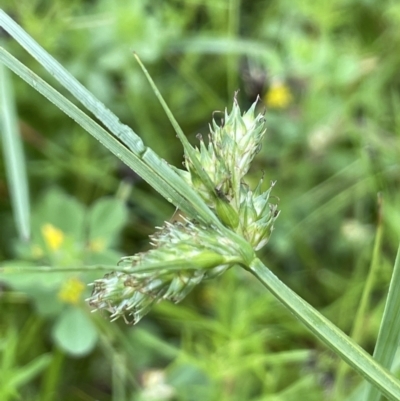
(84, 96)
(14, 156)
(182, 137)
(189, 199)
(389, 331)
(147, 164)
(327, 332)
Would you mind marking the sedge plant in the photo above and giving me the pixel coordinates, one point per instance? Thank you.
(226, 221)
(191, 251)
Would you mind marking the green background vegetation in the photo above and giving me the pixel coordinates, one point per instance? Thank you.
(332, 147)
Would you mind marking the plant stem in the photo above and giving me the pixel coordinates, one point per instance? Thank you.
(328, 333)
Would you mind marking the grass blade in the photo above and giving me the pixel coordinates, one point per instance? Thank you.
(85, 97)
(178, 192)
(182, 137)
(14, 156)
(147, 164)
(389, 331)
(327, 332)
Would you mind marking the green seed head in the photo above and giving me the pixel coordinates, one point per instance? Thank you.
(257, 216)
(183, 256)
(227, 157)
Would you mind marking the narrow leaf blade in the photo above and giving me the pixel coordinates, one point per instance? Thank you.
(14, 156)
(389, 331)
(189, 200)
(147, 164)
(327, 332)
(186, 145)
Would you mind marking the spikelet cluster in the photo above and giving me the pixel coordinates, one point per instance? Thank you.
(184, 254)
(226, 159)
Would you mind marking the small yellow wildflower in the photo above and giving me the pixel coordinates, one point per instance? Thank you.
(71, 291)
(278, 96)
(53, 236)
(97, 245)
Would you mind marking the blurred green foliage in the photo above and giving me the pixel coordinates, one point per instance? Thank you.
(327, 73)
(65, 234)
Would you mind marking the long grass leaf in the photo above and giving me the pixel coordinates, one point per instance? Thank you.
(186, 145)
(14, 156)
(147, 164)
(84, 96)
(188, 200)
(327, 332)
(389, 331)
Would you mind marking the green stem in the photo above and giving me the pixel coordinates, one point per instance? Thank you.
(328, 333)
(359, 328)
(199, 262)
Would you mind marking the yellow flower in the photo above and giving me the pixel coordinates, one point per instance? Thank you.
(71, 291)
(278, 96)
(53, 236)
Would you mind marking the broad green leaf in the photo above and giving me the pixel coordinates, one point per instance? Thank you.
(74, 332)
(106, 219)
(46, 302)
(61, 211)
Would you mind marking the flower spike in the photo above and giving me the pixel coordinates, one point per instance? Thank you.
(185, 254)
